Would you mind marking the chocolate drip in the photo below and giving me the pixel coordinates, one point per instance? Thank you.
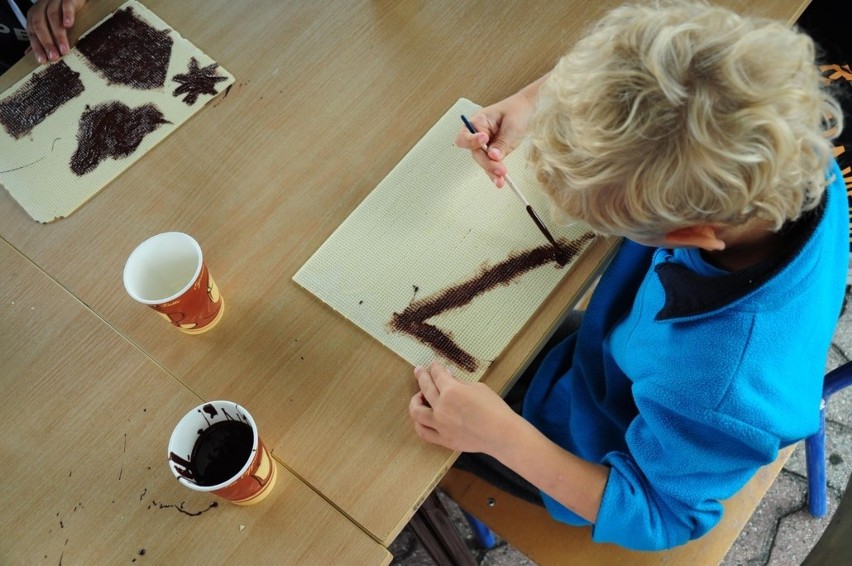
(112, 130)
(412, 319)
(128, 51)
(38, 98)
(187, 466)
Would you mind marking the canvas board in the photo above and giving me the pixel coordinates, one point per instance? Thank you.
(436, 227)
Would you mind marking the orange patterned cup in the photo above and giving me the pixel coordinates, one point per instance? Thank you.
(215, 448)
(167, 273)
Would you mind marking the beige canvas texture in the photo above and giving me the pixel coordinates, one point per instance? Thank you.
(35, 168)
(436, 221)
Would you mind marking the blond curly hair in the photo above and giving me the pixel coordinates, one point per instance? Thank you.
(673, 114)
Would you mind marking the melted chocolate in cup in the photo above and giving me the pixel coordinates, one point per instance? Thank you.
(215, 448)
(412, 320)
(220, 452)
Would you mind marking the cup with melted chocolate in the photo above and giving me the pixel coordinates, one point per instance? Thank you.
(216, 448)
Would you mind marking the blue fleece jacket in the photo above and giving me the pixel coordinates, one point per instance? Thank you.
(685, 379)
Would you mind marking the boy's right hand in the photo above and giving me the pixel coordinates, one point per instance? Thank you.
(501, 128)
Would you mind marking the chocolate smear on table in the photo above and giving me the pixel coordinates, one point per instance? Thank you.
(112, 129)
(128, 51)
(412, 320)
(180, 509)
(39, 97)
(197, 81)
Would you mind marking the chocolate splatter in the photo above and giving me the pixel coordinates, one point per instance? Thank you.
(128, 51)
(182, 510)
(38, 98)
(197, 81)
(123, 452)
(112, 129)
(412, 319)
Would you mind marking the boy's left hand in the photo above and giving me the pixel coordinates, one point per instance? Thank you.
(467, 417)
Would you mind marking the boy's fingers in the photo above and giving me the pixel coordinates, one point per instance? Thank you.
(427, 385)
(56, 26)
(440, 375)
(38, 51)
(426, 433)
(35, 44)
(69, 10)
(420, 411)
(40, 37)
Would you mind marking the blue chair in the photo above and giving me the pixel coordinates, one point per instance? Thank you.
(835, 380)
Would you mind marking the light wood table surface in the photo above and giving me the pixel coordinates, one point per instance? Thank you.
(328, 98)
(86, 419)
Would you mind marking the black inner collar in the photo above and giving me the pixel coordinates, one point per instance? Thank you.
(691, 294)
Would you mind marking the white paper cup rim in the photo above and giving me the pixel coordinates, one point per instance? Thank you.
(143, 248)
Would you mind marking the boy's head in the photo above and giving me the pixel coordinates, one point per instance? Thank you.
(678, 114)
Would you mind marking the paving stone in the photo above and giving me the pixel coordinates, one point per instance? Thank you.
(797, 534)
(754, 544)
(840, 407)
(505, 555)
(843, 333)
(407, 551)
(838, 451)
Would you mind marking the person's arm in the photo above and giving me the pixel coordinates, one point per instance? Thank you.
(48, 22)
(470, 417)
(501, 127)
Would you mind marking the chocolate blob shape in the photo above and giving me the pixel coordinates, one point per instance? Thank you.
(412, 320)
(128, 51)
(112, 129)
(38, 98)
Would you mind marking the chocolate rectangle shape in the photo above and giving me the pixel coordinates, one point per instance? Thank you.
(38, 98)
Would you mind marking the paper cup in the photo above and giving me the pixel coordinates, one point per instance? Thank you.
(200, 454)
(167, 273)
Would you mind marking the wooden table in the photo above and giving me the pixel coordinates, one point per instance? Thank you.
(86, 419)
(328, 98)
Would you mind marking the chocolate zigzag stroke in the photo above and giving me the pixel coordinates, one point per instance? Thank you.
(413, 319)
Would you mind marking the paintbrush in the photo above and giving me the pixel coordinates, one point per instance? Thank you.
(518, 192)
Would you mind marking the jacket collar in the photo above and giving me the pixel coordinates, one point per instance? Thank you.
(689, 294)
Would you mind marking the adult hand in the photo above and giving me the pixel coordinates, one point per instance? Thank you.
(501, 128)
(462, 416)
(48, 22)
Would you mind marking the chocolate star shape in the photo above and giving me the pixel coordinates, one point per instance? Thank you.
(199, 80)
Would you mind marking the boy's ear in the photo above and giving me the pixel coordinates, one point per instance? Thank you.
(702, 236)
